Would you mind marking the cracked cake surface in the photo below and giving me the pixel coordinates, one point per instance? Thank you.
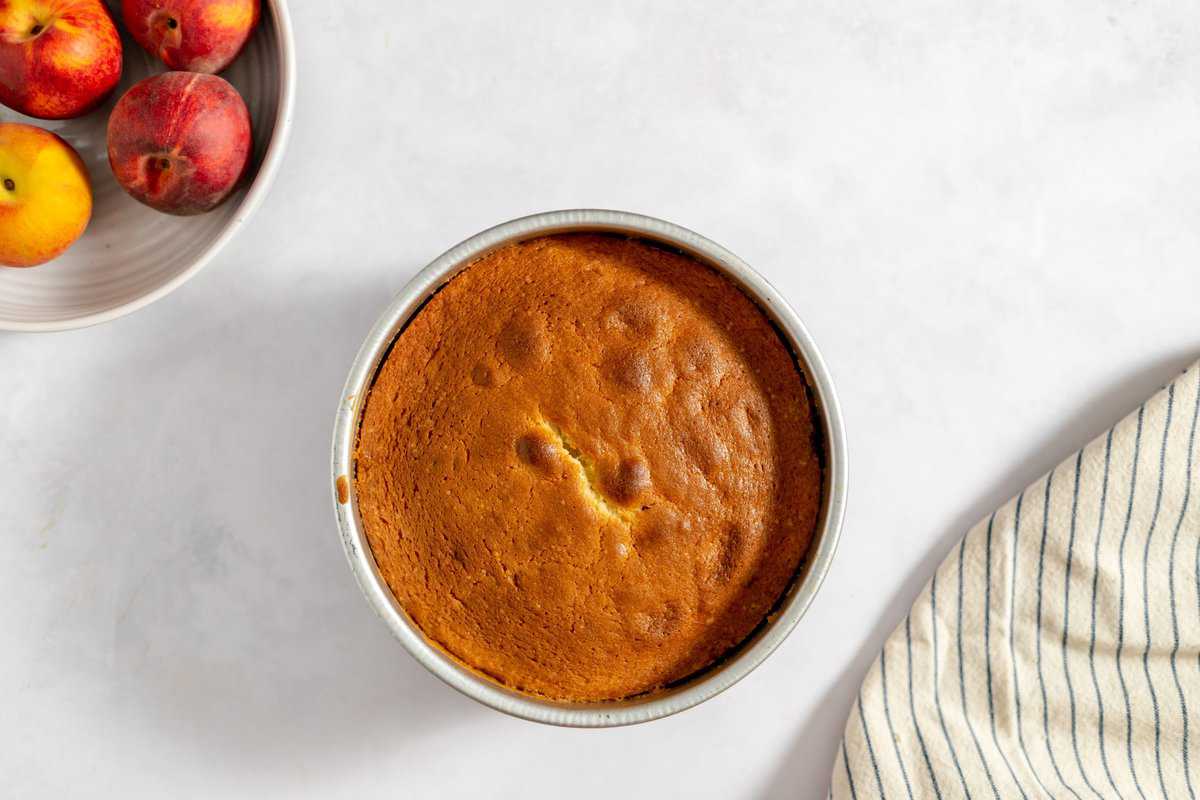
(587, 467)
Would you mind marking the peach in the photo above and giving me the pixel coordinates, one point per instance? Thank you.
(193, 35)
(179, 142)
(58, 58)
(45, 195)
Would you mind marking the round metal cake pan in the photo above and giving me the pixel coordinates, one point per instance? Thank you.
(734, 666)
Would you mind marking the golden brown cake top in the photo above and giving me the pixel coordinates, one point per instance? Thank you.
(586, 468)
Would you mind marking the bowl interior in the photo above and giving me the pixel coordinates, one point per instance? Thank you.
(696, 688)
(131, 254)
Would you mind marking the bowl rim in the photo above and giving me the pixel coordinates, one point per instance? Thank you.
(749, 654)
(260, 185)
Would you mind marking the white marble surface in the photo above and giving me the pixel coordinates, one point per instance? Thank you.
(985, 212)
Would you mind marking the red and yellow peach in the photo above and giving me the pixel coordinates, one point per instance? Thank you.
(193, 35)
(58, 58)
(179, 142)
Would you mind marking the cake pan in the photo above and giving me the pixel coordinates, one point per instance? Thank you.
(735, 665)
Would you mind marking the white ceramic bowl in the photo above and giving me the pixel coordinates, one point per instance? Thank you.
(750, 653)
(130, 254)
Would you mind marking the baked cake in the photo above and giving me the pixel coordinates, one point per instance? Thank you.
(587, 467)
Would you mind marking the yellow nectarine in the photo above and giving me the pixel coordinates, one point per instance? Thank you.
(45, 195)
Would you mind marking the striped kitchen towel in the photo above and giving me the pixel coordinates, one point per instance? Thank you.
(1056, 652)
